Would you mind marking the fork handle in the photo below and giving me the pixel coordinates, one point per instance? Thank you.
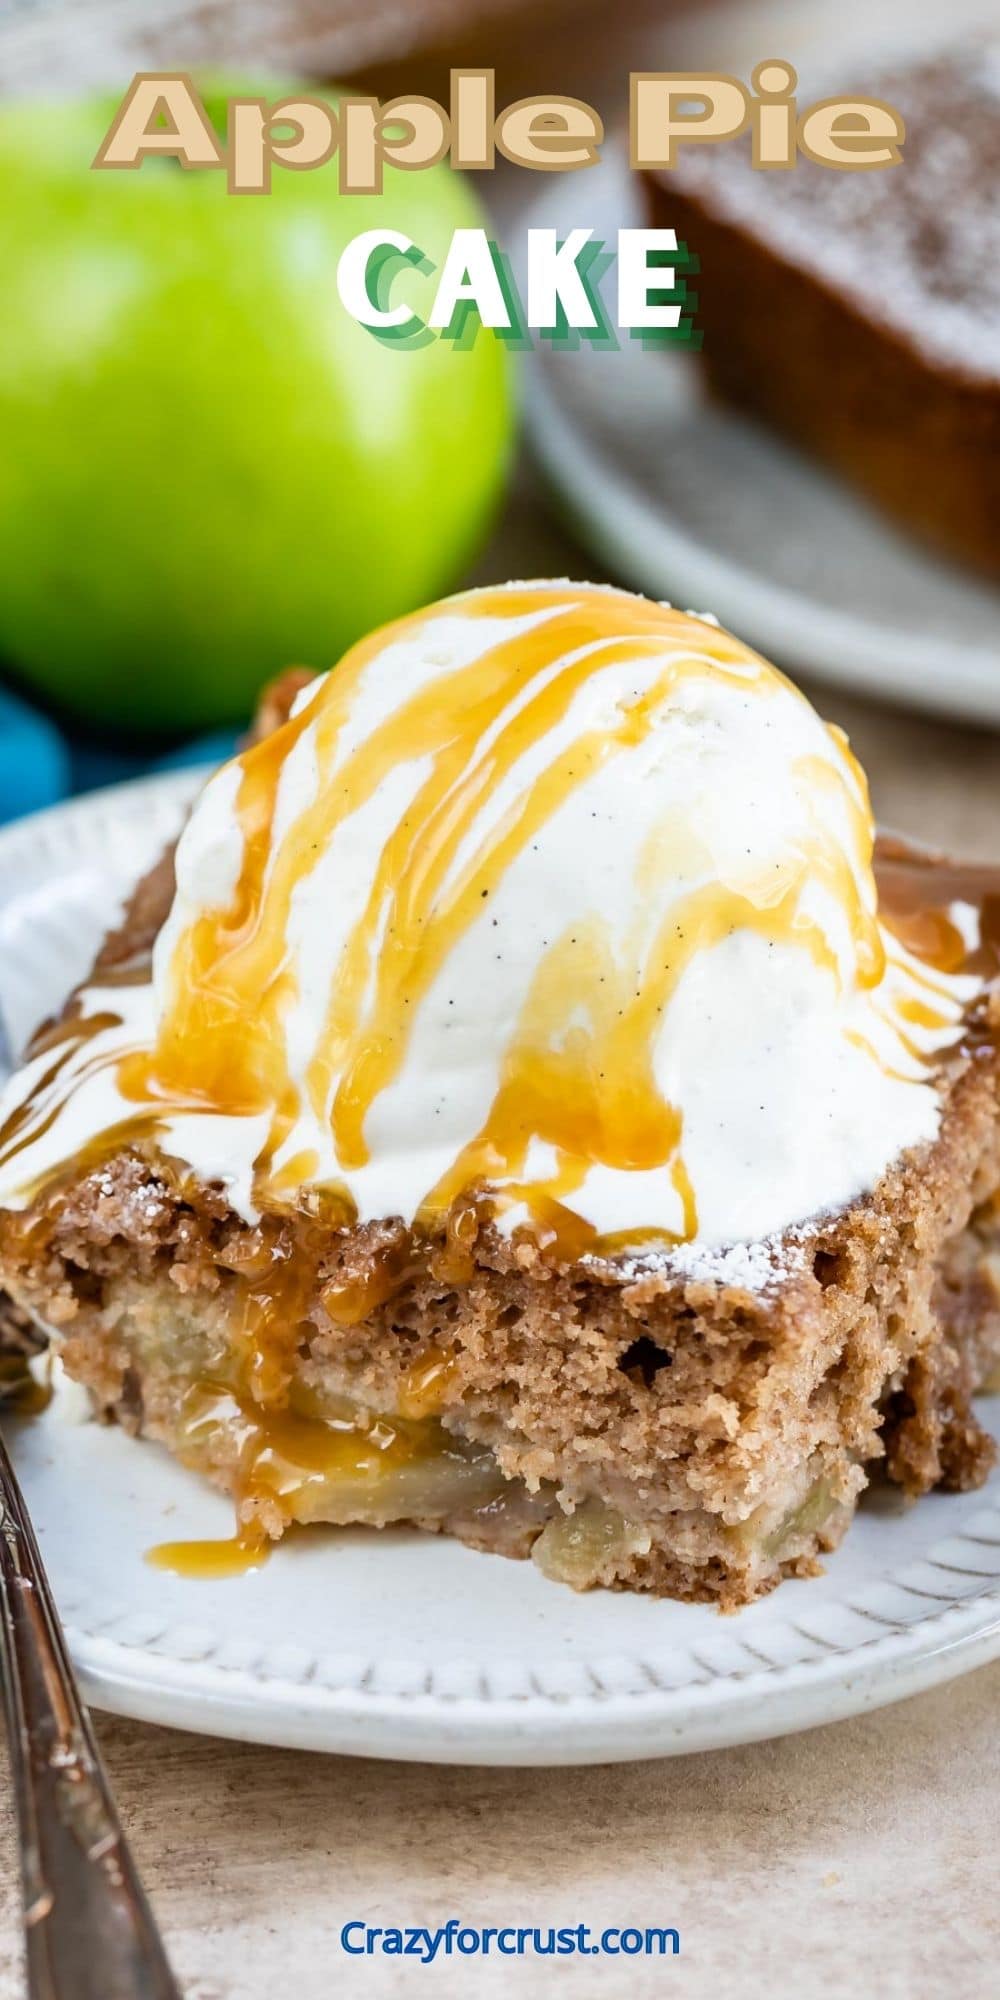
(89, 1930)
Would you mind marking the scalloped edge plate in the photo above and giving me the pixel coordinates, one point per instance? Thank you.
(401, 1645)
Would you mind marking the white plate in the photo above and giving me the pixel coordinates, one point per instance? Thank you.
(688, 501)
(398, 1645)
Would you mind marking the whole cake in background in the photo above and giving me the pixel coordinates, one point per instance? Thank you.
(859, 313)
(528, 1105)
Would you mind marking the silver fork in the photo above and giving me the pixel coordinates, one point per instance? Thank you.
(89, 1930)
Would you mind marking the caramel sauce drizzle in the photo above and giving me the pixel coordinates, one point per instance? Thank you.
(913, 899)
(222, 1042)
(590, 1094)
(287, 1453)
(588, 1091)
(289, 1443)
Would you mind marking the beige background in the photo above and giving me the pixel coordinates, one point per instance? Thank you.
(852, 1861)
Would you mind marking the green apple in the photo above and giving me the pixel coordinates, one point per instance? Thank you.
(208, 469)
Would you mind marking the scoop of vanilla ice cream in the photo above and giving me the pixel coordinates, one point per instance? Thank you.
(553, 891)
(711, 840)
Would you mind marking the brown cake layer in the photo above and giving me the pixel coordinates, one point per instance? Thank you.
(715, 1433)
(859, 313)
(699, 1427)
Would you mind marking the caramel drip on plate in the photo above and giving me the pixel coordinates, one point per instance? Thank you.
(291, 1458)
(231, 1555)
(291, 1444)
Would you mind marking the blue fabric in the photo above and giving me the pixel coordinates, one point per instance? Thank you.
(34, 760)
(39, 764)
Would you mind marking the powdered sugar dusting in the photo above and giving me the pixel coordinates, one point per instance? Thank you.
(915, 247)
(750, 1267)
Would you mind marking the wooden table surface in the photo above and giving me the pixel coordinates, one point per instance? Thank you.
(853, 1860)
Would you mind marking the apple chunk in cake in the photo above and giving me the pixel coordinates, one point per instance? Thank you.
(529, 1107)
